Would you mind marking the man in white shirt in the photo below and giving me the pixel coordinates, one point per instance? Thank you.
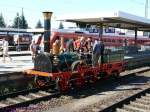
(33, 49)
(5, 50)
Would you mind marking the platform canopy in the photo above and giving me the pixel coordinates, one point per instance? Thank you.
(117, 19)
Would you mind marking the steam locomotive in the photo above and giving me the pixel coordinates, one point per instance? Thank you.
(65, 70)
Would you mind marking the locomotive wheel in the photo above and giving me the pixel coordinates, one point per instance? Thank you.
(115, 75)
(77, 80)
(41, 81)
(90, 77)
(75, 65)
(62, 85)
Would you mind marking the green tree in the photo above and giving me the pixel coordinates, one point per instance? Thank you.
(17, 22)
(61, 26)
(39, 24)
(20, 21)
(23, 23)
(2, 22)
(81, 25)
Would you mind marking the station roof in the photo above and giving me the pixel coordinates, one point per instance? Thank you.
(117, 19)
(37, 30)
(13, 30)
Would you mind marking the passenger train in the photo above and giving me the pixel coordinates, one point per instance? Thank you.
(110, 39)
(24, 40)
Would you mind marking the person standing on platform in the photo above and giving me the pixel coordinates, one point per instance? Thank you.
(96, 57)
(102, 52)
(5, 50)
(33, 49)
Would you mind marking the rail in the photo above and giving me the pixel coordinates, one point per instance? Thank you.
(120, 104)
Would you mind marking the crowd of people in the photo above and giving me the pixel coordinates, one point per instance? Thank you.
(80, 45)
(84, 45)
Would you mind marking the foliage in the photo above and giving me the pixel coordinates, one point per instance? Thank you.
(39, 24)
(81, 25)
(17, 22)
(61, 26)
(2, 22)
(24, 24)
(20, 22)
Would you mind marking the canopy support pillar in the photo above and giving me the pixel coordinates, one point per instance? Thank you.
(135, 41)
(100, 31)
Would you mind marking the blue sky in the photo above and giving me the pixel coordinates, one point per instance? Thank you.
(33, 8)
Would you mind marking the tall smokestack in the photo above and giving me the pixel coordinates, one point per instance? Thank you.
(47, 30)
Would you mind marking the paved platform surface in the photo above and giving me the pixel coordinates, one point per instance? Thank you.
(16, 53)
(18, 63)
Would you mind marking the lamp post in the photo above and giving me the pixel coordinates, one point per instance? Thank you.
(146, 8)
(18, 41)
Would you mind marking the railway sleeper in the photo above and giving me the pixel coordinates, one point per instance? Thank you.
(133, 109)
(12, 100)
(121, 110)
(140, 105)
(44, 93)
(145, 98)
(142, 101)
(24, 98)
(147, 94)
(3, 105)
(35, 95)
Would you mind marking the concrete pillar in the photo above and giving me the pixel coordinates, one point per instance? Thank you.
(47, 30)
(100, 31)
(135, 41)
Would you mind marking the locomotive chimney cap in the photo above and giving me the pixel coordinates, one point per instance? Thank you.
(47, 14)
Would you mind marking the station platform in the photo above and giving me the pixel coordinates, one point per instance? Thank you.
(17, 53)
(22, 60)
(18, 63)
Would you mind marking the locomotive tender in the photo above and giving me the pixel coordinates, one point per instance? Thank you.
(71, 69)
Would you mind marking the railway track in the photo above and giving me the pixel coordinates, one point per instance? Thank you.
(26, 97)
(139, 102)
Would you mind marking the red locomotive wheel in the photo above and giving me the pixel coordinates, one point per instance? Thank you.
(63, 86)
(41, 81)
(90, 77)
(77, 80)
(115, 74)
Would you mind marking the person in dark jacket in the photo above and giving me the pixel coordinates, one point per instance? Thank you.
(102, 52)
(98, 49)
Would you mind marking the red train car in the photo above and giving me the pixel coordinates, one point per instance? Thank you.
(109, 40)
